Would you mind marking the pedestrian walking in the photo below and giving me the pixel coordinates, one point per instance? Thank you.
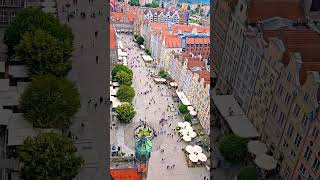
(97, 59)
(82, 125)
(96, 34)
(90, 100)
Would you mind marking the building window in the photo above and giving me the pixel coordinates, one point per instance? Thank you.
(281, 118)
(288, 98)
(316, 165)
(307, 154)
(271, 80)
(302, 169)
(290, 130)
(306, 96)
(297, 141)
(305, 121)
(274, 109)
(296, 110)
(280, 90)
(289, 76)
(315, 132)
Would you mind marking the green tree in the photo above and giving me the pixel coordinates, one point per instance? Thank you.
(183, 108)
(49, 156)
(233, 148)
(120, 67)
(123, 78)
(50, 102)
(148, 52)
(187, 117)
(30, 19)
(134, 3)
(44, 54)
(162, 73)
(248, 173)
(140, 40)
(125, 93)
(125, 112)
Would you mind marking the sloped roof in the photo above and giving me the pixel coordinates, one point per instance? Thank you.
(119, 15)
(203, 74)
(173, 41)
(195, 63)
(259, 10)
(303, 41)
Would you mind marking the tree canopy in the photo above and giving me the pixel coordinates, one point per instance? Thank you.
(187, 117)
(120, 67)
(153, 5)
(248, 173)
(183, 108)
(162, 74)
(125, 112)
(140, 40)
(123, 78)
(44, 54)
(233, 148)
(30, 19)
(50, 102)
(125, 93)
(134, 3)
(148, 52)
(49, 156)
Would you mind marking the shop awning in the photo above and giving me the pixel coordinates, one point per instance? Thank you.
(147, 58)
(183, 98)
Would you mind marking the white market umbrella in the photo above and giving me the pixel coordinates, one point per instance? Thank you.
(190, 108)
(186, 138)
(183, 131)
(266, 162)
(202, 157)
(189, 128)
(162, 80)
(181, 124)
(186, 123)
(257, 147)
(192, 134)
(193, 113)
(193, 157)
(189, 149)
(197, 149)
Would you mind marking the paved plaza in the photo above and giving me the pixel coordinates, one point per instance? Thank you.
(152, 111)
(91, 79)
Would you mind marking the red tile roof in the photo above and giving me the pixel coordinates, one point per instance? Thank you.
(188, 28)
(173, 41)
(154, 25)
(203, 74)
(119, 15)
(303, 41)
(127, 174)
(195, 63)
(259, 10)
(113, 39)
(205, 40)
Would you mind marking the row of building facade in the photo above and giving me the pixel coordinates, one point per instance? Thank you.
(266, 56)
(193, 79)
